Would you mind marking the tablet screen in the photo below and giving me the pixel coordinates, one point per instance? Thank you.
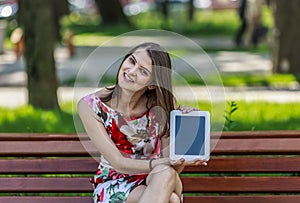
(190, 135)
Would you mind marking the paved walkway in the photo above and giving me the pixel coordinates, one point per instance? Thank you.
(13, 78)
(17, 96)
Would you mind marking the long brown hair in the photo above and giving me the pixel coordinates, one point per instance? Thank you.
(161, 95)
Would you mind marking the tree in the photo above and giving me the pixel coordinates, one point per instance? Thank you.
(191, 10)
(39, 21)
(111, 12)
(286, 50)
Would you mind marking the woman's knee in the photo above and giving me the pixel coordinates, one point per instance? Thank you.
(174, 198)
(164, 173)
(136, 194)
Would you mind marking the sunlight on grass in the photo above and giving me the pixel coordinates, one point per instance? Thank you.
(90, 40)
(233, 80)
(264, 115)
(28, 119)
(258, 115)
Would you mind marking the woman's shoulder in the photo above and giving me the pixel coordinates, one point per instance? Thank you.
(93, 100)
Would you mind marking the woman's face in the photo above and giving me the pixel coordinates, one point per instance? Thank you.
(136, 71)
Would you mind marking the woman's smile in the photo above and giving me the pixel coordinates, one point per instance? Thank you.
(127, 78)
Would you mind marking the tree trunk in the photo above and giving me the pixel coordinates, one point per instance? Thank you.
(191, 10)
(40, 38)
(111, 12)
(286, 50)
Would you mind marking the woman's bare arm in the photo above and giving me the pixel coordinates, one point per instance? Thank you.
(165, 146)
(107, 148)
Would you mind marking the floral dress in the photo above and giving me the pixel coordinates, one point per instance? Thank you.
(136, 138)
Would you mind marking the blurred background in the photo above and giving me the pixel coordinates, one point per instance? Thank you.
(253, 44)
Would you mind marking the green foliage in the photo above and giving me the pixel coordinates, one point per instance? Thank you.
(206, 22)
(229, 122)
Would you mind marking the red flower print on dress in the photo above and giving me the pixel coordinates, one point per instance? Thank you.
(120, 139)
(115, 175)
(139, 179)
(101, 196)
(103, 106)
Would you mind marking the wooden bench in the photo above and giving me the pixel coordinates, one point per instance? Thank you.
(245, 167)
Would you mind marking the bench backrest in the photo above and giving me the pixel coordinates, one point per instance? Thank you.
(56, 168)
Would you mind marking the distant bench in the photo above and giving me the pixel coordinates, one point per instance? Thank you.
(246, 167)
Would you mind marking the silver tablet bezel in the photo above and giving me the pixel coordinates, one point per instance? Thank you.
(206, 155)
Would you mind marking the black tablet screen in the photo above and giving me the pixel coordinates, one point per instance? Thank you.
(189, 135)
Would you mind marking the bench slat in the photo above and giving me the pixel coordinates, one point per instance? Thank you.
(208, 184)
(41, 184)
(187, 199)
(50, 166)
(258, 146)
(40, 137)
(243, 199)
(241, 184)
(259, 134)
(226, 146)
(249, 165)
(39, 199)
(46, 148)
(89, 165)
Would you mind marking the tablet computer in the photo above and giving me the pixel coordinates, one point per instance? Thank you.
(189, 135)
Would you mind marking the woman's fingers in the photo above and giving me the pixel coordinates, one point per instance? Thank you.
(178, 162)
(188, 109)
(194, 162)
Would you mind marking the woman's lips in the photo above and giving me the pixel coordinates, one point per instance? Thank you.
(127, 78)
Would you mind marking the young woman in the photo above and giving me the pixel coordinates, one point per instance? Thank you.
(129, 125)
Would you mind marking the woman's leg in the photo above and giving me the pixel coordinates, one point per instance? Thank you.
(136, 194)
(162, 182)
(174, 198)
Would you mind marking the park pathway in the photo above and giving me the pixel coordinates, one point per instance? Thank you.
(13, 78)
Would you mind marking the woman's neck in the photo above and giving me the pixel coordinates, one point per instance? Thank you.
(130, 104)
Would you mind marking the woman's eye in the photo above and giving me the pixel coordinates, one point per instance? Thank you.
(131, 60)
(144, 72)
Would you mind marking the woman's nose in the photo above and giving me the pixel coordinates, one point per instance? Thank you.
(133, 70)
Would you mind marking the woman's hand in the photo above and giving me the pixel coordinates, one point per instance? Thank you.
(181, 163)
(187, 109)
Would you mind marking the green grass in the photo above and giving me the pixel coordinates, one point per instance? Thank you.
(259, 80)
(229, 80)
(275, 80)
(249, 116)
(261, 115)
(29, 119)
